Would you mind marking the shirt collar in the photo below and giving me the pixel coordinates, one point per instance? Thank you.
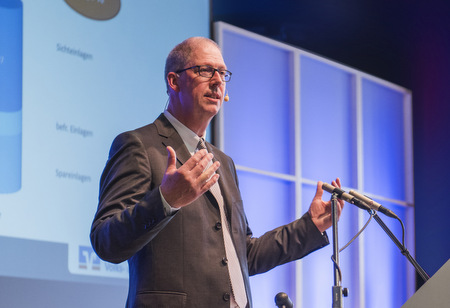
(189, 138)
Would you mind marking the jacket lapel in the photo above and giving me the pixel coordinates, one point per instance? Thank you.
(170, 137)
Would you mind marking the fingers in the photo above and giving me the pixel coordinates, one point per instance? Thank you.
(210, 172)
(197, 163)
(200, 166)
(336, 183)
(210, 182)
(319, 190)
(207, 177)
(197, 158)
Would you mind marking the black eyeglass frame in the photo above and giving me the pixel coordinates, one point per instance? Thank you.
(225, 75)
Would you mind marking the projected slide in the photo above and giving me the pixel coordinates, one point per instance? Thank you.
(74, 74)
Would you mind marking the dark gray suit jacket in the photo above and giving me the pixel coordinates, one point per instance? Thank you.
(178, 261)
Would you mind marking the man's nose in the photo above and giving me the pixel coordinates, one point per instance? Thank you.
(216, 77)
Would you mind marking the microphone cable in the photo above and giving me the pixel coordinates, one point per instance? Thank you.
(371, 214)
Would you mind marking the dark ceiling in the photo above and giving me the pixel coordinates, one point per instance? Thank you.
(377, 37)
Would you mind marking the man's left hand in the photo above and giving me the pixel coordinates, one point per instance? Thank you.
(320, 210)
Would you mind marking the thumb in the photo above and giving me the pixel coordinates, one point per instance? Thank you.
(319, 190)
(171, 158)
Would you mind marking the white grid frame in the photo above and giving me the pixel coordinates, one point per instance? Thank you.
(358, 76)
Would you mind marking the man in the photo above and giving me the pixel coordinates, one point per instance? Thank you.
(172, 210)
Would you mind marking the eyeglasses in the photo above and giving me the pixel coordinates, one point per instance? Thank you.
(208, 72)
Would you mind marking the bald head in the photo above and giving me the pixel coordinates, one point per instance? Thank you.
(181, 54)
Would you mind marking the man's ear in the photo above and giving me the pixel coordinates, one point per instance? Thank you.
(172, 81)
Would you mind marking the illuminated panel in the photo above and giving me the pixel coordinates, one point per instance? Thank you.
(383, 140)
(327, 122)
(257, 119)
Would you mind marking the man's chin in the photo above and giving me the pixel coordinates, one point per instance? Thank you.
(212, 109)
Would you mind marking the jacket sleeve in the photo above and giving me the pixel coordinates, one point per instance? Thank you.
(283, 244)
(130, 211)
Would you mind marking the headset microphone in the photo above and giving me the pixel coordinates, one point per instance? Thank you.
(226, 98)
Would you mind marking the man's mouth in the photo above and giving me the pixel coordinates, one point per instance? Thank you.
(213, 95)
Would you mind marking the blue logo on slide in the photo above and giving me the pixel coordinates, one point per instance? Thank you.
(88, 259)
(11, 28)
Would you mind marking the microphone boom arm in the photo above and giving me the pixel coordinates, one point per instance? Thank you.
(402, 248)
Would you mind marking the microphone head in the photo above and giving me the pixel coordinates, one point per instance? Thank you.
(226, 98)
(283, 300)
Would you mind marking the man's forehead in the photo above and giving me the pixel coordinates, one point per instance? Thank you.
(207, 55)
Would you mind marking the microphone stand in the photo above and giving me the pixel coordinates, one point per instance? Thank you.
(402, 248)
(337, 298)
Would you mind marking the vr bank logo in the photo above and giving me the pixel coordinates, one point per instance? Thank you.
(88, 259)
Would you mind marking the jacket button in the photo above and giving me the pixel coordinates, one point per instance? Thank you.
(218, 225)
(224, 261)
(226, 296)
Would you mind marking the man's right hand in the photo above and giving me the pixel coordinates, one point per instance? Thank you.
(184, 185)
